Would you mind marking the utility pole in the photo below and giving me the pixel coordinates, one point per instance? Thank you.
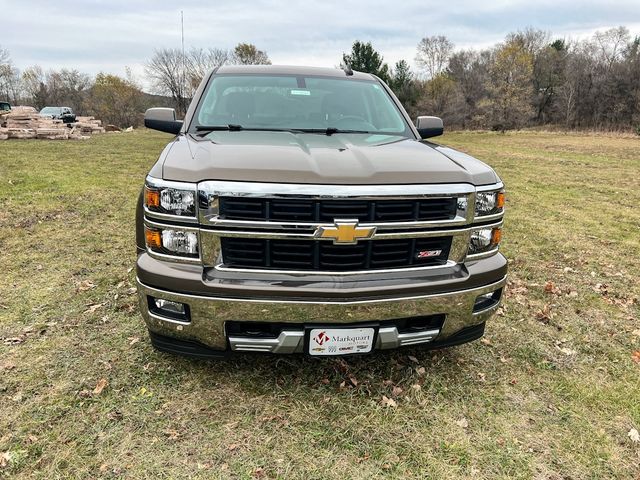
(184, 68)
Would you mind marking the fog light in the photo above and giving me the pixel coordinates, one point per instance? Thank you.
(487, 300)
(169, 308)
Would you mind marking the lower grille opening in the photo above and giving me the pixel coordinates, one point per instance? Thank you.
(325, 256)
(273, 329)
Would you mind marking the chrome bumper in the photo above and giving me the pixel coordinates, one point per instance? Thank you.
(209, 314)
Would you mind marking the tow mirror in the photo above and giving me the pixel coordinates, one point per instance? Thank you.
(163, 120)
(429, 126)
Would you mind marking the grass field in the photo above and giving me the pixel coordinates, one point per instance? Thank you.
(551, 392)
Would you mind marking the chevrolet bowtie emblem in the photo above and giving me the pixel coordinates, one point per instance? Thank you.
(345, 232)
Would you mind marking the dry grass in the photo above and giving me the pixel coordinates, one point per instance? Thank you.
(550, 393)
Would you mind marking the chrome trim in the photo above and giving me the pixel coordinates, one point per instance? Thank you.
(210, 191)
(328, 191)
(210, 251)
(166, 319)
(286, 342)
(493, 186)
(479, 256)
(168, 217)
(159, 183)
(376, 236)
(222, 268)
(209, 314)
(292, 341)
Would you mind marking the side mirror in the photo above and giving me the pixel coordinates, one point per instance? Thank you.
(429, 126)
(163, 120)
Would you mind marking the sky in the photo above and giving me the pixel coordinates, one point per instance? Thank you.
(110, 35)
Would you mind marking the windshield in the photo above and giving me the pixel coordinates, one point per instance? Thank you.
(50, 110)
(282, 102)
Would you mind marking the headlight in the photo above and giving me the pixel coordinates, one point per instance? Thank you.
(484, 240)
(170, 198)
(489, 203)
(172, 241)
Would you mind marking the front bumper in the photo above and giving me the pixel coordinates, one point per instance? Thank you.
(296, 303)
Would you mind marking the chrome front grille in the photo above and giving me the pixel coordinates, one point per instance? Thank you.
(304, 255)
(295, 209)
(283, 227)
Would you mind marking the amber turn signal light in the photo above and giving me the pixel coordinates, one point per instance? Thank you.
(496, 236)
(154, 238)
(500, 200)
(151, 197)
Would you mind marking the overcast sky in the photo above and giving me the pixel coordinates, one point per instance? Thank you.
(94, 36)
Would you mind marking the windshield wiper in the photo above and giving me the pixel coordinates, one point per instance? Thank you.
(237, 128)
(331, 130)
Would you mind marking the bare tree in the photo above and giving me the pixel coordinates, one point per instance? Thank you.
(35, 87)
(200, 61)
(9, 77)
(433, 54)
(167, 70)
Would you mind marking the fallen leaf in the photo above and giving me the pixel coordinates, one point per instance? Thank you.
(259, 473)
(634, 436)
(635, 356)
(636, 332)
(549, 287)
(413, 359)
(396, 391)
(481, 376)
(232, 447)
(5, 458)
(388, 402)
(100, 386)
(353, 380)
(416, 387)
(134, 340)
(462, 423)
(172, 434)
(420, 370)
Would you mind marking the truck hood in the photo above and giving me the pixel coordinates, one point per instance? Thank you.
(347, 159)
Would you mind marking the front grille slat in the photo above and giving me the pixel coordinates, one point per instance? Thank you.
(313, 255)
(306, 210)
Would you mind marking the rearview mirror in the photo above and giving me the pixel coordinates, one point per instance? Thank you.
(429, 126)
(163, 120)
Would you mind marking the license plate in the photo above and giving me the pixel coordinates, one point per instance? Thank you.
(340, 341)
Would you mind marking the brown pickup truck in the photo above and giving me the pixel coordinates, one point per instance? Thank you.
(299, 210)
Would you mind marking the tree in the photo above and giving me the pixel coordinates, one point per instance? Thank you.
(248, 54)
(34, 86)
(433, 54)
(116, 100)
(364, 58)
(9, 77)
(200, 61)
(403, 84)
(167, 71)
(510, 86)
